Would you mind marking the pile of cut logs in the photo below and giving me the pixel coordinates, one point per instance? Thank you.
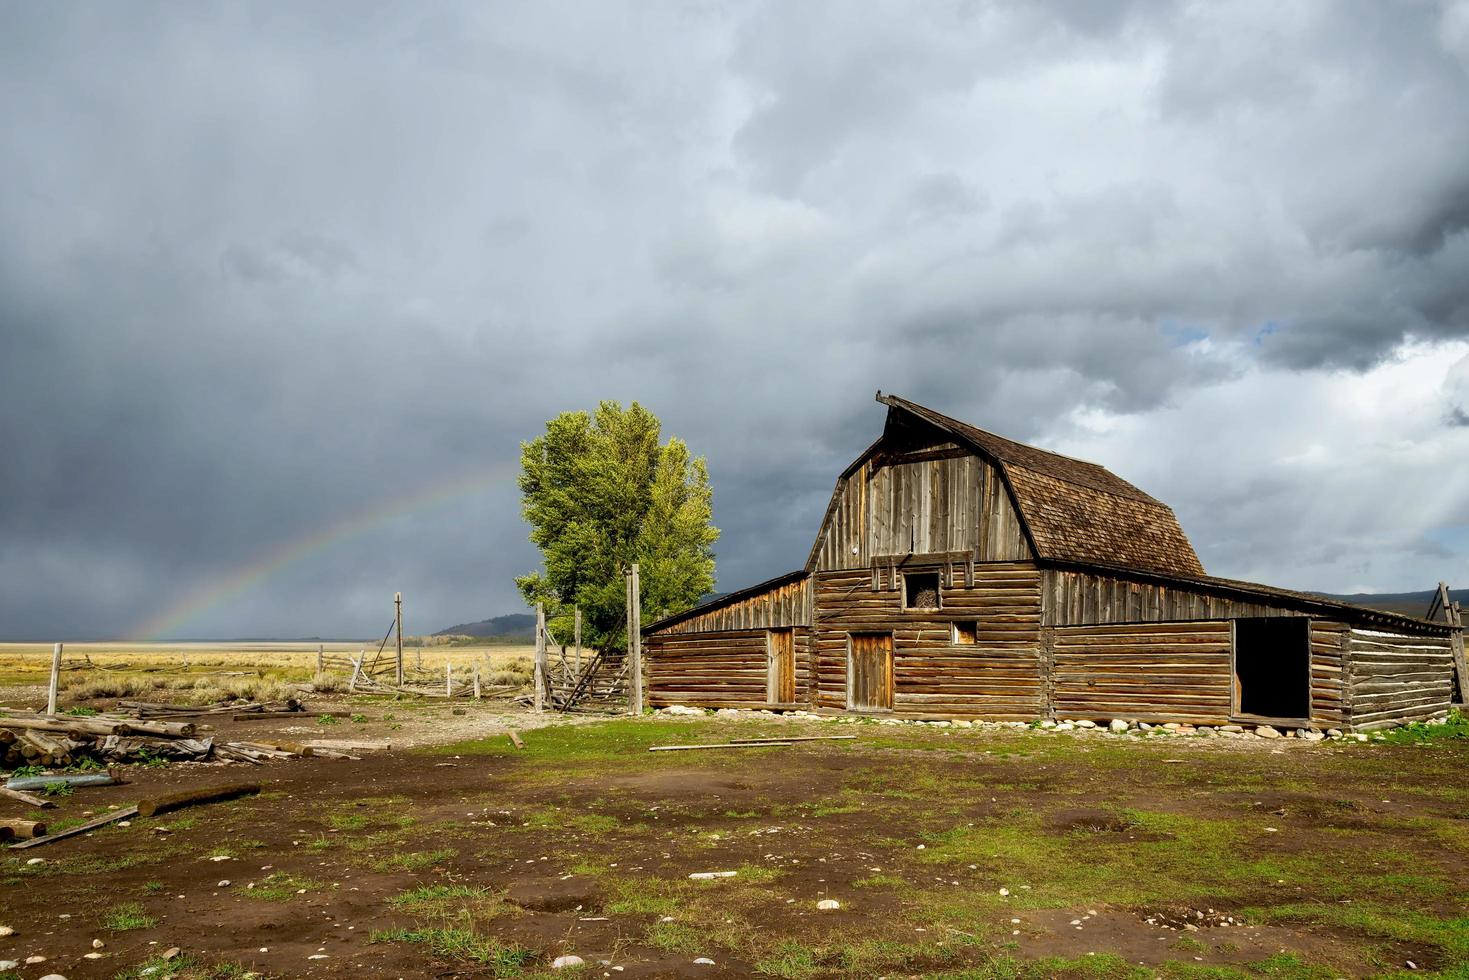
(145, 731)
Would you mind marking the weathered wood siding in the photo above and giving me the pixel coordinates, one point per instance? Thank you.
(1328, 658)
(998, 677)
(1073, 598)
(727, 669)
(1153, 672)
(1395, 677)
(784, 605)
(955, 504)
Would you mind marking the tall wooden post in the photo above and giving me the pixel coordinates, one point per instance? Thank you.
(398, 623)
(448, 678)
(635, 641)
(540, 704)
(578, 641)
(320, 659)
(55, 679)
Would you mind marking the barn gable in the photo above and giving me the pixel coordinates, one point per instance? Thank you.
(1070, 510)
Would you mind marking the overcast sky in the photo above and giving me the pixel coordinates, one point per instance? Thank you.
(284, 286)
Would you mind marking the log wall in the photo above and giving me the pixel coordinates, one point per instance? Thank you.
(1153, 672)
(998, 677)
(1328, 673)
(784, 605)
(947, 501)
(1393, 678)
(727, 669)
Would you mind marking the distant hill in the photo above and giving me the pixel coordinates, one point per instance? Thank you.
(515, 626)
(1413, 604)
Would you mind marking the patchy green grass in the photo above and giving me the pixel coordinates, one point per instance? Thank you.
(414, 860)
(1453, 728)
(438, 901)
(126, 917)
(461, 942)
(280, 886)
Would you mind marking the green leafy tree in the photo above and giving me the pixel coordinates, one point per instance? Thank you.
(600, 493)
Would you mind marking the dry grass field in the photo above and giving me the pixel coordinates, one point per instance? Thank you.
(205, 672)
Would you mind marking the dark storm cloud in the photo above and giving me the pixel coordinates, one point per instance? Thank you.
(264, 268)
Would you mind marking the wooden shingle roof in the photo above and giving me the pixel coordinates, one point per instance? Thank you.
(1073, 510)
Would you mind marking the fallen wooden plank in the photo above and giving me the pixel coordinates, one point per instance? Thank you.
(125, 813)
(515, 738)
(750, 743)
(26, 798)
(194, 797)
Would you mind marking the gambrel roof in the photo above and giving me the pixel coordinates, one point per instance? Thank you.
(1073, 510)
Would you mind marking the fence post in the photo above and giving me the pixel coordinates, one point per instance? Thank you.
(320, 660)
(398, 622)
(540, 658)
(578, 641)
(635, 640)
(476, 681)
(55, 679)
(448, 678)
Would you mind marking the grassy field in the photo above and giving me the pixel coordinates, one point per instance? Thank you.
(194, 672)
(949, 853)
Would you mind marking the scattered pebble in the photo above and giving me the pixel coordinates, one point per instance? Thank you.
(318, 956)
(1004, 892)
(6, 931)
(562, 962)
(828, 903)
(36, 861)
(703, 961)
(224, 884)
(9, 964)
(171, 953)
(33, 960)
(98, 944)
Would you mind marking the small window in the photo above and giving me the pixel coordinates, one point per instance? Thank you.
(921, 590)
(964, 633)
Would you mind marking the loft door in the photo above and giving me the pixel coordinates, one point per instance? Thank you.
(870, 672)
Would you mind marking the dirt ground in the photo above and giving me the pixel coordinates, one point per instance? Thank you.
(949, 853)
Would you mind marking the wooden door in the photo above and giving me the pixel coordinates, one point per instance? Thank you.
(870, 672)
(782, 683)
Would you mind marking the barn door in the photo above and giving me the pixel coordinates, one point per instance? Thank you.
(870, 672)
(781, 687)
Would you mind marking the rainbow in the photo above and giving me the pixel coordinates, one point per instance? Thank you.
(185, 608)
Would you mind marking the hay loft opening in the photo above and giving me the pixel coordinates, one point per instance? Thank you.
(964, 633)
(1272, 667)
(921, 590)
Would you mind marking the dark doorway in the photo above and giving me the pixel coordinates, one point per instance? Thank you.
(1272, 667)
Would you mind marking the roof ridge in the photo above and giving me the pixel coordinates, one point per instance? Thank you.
(897, 401)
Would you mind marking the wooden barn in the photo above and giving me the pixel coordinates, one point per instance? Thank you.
(960, 575)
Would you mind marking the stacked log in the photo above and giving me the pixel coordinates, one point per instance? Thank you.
(150, 731)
